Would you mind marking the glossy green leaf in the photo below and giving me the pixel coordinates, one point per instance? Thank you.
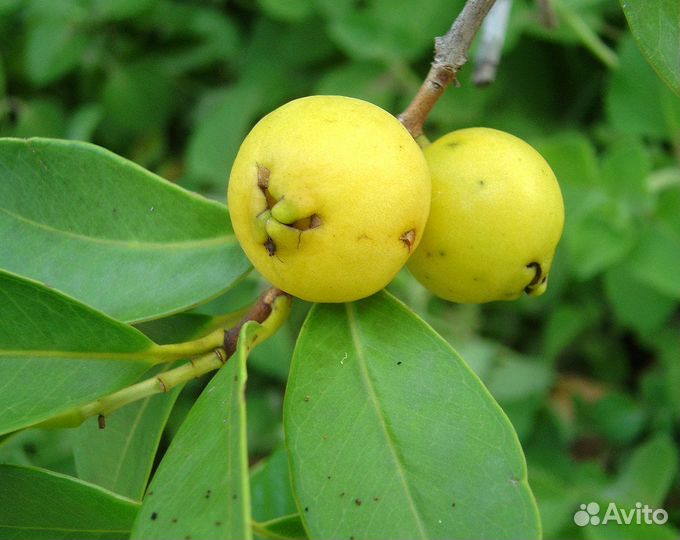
(48, 448)
(655, 26)
(110, 233)
(201, 488)
(391, 435)
(283, 528)
(271, 494)
(56, 353)
(36, 504)
(120, 457)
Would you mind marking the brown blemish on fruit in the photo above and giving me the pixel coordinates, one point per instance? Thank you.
(408, 238)
(363, 236)
(270, 246)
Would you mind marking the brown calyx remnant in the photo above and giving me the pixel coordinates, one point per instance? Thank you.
(408, 238)
(538, 277)
(304, 224)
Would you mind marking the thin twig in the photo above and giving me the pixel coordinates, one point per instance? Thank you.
(450, 54)
(492, 38)
(546, 14)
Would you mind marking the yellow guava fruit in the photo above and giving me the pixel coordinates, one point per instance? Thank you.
(496, 217)
(328, 197)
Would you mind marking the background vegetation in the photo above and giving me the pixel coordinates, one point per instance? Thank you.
(587, 373)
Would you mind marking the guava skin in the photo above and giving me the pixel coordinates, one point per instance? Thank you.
(328, 197)
(496, 218)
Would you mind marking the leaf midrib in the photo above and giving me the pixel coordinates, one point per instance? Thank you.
(368, 384)
(132, 244)
(145, 355)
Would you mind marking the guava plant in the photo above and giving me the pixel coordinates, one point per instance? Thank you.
(389, 434)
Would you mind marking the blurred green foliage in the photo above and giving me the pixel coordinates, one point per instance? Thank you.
(587, 373)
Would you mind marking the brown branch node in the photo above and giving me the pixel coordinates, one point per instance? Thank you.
(259, 312)
(450, 55)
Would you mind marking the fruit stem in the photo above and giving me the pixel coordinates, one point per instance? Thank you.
(271, 311)
(450, 55)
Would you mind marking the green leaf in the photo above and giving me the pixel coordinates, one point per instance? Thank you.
(391, 435)
(625, 168)
(56, 353)
(48, 448)
(137, 98)
(363, 80)
(270, 488)
(636, 102)
(287, 10)
(634, 303)
(53, 48)
(655, 28)
(36, 504)
(120, 457)
(654, 260)
(110, 233)
(218, 136)
(201, 488)
(648, 475)
(283, 528)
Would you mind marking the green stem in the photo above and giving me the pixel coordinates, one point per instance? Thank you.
(176, 351)
(271, 312)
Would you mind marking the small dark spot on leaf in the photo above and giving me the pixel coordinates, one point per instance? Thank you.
(207, 494)
(442, 253)
(399, 363)
(306, 508)
(325, 436)
(234, 496)
(173, 520)
(481, 182)
(358, 502)
(329, 477)
(187, 537)
(453, 505)
(30, 449)
(149, 493)
(428, 254)
(376, 499)
(101, 421)
(154, 515)
(218, 523)
(307, 398)
(235, 378)
(342, 494)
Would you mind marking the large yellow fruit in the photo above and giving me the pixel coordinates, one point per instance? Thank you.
(328, 197)
(496, 218)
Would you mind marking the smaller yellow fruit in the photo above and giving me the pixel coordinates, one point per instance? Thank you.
(496, 217)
